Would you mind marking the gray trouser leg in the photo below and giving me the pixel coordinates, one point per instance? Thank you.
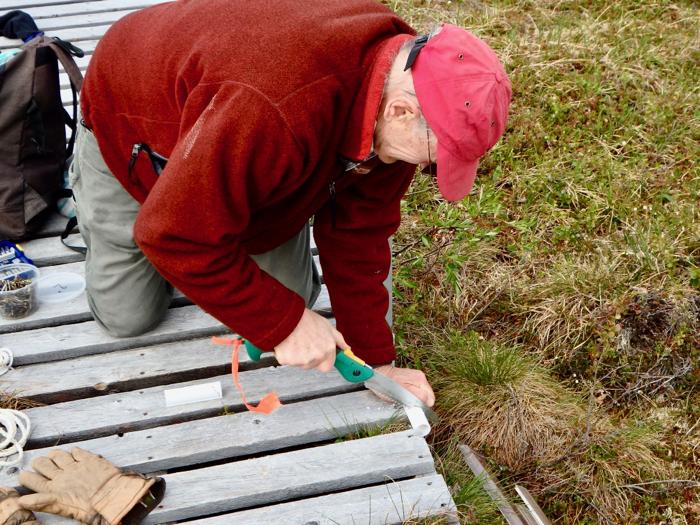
(292, 264)
(126, 294)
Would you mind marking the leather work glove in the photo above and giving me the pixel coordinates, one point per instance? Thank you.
(88, 488)
(10, 511)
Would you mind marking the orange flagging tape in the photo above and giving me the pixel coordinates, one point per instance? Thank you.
(270, 402)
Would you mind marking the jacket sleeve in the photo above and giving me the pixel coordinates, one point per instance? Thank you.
(234, 150)
(356, 257)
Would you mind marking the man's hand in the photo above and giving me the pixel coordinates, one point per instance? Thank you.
(412, 380)
(312, 344)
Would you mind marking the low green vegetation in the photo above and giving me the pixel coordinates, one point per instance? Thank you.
(556, 310)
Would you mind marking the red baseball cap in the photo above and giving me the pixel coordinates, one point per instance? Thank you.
(464, 93)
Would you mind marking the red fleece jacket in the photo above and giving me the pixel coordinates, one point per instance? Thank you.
(252, 103)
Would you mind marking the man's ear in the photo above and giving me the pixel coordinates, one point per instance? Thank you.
(401, 107)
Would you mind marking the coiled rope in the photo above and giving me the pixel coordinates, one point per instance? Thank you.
(5, 360)
(14, 432)
(14, 425)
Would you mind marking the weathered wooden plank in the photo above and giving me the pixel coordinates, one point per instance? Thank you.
(280, 477)
(490, 486)
(120, 371)
(49, 25)
(246, 434)
(76, 34)
(45, 8)
(49, 251)
(300, 473)
(20, 4)
(391, 504)
(136, 410)
(41, 13)
(81, 339)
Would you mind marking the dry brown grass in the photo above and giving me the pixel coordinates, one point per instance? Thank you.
(605, 470)
(12, 401)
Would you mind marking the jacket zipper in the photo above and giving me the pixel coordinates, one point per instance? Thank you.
(331, 190)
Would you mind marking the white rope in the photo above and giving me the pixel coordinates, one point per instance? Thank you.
(14, 432)
(14, 425)
(5, 360)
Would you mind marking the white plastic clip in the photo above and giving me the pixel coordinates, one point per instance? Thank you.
(192, 394)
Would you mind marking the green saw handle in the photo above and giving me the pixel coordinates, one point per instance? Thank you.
(351, 367)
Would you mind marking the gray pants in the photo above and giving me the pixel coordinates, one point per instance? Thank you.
(126, 294)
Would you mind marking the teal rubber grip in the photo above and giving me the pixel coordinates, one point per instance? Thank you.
(253, 351)
(350, 367)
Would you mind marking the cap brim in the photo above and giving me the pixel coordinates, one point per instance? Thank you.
(455, 176)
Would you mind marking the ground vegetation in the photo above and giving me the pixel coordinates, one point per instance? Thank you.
(556, 310)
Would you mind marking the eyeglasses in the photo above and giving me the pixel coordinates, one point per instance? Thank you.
(428, 170)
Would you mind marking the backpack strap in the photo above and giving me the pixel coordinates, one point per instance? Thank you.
(70, 225)
(63, 51)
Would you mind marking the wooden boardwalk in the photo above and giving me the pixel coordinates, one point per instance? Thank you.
(222, 464)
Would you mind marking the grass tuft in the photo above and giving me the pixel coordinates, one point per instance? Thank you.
(498, 400)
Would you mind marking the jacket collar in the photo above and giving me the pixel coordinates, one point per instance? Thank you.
(357, 144)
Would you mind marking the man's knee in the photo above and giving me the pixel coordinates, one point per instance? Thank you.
(128, 322)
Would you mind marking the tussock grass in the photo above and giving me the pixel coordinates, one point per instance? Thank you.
(577, 253)
(496, 399)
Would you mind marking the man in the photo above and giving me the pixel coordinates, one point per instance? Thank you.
(271, 114)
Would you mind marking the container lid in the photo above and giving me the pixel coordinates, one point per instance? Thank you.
(59, 287)
(12, 271)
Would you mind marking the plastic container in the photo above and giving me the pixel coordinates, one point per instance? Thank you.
(59, 287)
(18, 290)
